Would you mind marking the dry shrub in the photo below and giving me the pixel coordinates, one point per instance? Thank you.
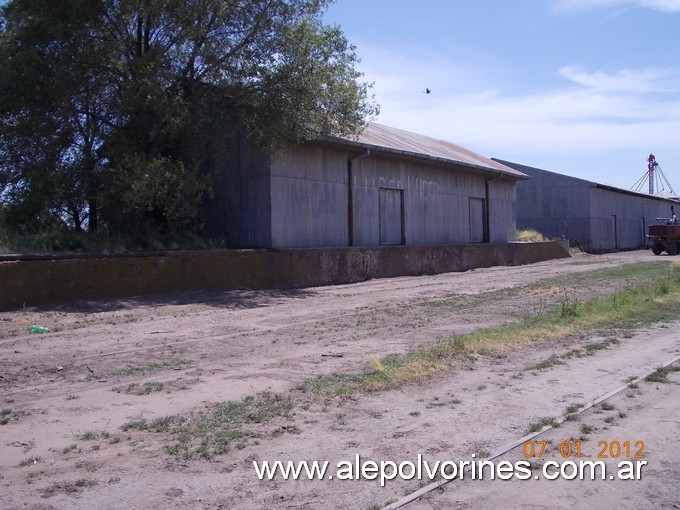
(530, 236)
(376, 364)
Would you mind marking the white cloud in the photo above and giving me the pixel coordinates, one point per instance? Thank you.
(559, 122)
(659, 5)
(638, 81)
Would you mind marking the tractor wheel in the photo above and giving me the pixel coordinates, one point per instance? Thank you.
(657, 248)
(672, 248)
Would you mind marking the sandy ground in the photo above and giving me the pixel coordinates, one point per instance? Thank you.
(65, 395)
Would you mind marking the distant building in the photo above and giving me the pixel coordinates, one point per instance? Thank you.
(594, 216)
(386, 187)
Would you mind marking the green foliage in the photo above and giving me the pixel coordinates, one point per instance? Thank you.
(660, 375)
(158, 195)
(222, 425)
(65, 240)
(541, 424)
(114, 113)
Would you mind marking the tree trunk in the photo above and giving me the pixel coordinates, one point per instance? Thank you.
(92, 214)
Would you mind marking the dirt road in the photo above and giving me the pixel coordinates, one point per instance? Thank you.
(66, 395)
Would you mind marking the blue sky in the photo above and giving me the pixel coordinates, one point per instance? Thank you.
(582, 87)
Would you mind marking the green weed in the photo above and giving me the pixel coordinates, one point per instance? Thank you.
(152, 367)
(541, 424)
(661, 374)
(545, 364)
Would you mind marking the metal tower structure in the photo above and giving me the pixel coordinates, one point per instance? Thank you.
(655, 178)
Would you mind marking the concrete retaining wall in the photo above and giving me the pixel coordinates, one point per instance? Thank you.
(28, 281)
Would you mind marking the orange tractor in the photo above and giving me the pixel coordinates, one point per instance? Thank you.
(665, 237)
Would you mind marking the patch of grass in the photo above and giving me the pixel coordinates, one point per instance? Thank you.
(660, 375)
(573, 408)
(140, 389)
(540, 424)
(92, 435)
(598, 346)
(29, 461)
(71, 397)
(545, 364)
(573, 353)
(69, 448)
(151, 367)
(586, 429)
(571, 412)
(633, 274)
(414, 413)
(569, 305)
(215, 430)
(162, 424)
(90, 467)
(140, 424)
(606, 406)
(398, 370)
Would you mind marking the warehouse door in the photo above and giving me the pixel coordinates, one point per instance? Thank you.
(477, 220)
(392, 216)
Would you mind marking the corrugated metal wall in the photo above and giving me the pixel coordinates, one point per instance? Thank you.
(597, 217)
(555, 205)
(619, 221)
(309, 200)
(502, 210)
(309, 197)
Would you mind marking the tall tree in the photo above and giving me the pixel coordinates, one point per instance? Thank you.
(110, 108)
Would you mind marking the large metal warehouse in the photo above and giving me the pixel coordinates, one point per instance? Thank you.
(596, 217)
(386, 187)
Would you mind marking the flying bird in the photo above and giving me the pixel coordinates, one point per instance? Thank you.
(427, 91)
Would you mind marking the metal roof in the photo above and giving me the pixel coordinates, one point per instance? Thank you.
(396, 141)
